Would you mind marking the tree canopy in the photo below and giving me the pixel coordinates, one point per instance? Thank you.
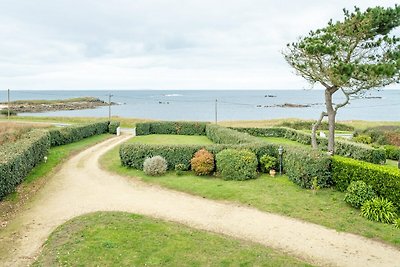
(361, 52)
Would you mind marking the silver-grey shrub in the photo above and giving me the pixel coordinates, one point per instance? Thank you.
(154, 166)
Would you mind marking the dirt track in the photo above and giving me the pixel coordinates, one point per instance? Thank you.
(80, 186)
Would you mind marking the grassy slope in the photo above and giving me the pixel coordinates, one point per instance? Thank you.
(277, 195)
(123, 239)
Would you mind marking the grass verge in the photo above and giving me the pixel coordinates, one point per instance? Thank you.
(123, 239)
(277, 195)
(37, 177)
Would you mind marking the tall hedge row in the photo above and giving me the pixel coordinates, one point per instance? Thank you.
(67, 135)
(385, 181)
(171, 127)
(303, 166)
(342, 147)
(17, 159)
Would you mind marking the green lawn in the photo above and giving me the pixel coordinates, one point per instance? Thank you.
(123, 239)
(171, 139)
(277, 195)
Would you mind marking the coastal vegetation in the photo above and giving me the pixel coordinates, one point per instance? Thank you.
(18, 158)
(278, 195)
(350, 57)
(11, 131)
(37, 176)
(21, 106)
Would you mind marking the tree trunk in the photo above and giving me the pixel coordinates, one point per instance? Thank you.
(314, 129)
(331, 121)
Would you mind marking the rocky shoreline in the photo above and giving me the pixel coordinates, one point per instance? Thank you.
(34, 106)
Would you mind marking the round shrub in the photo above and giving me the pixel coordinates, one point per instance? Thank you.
(202, 162)
(237, 164)
(357, 193)
(156, 165)
(267, 163)
(379, 210)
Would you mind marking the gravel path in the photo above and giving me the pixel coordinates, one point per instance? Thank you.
(80, 186)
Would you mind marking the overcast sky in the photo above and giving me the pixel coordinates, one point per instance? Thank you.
(156, 44)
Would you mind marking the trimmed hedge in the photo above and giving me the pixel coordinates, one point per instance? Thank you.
(234, 164)
(134, 154)
(303, 166)
(307, 125)
(342, 147)
(384, 181)
(112, 127)
(171, 127)
(222, 135)
(18, 159)
(62, 136)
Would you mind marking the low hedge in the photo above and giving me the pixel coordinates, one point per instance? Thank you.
(171, 127)
(384, 181)
(235, 164)
(66, 135)
(300, 165)
(112, 127)
(303, 166)
(223, 135)
(342, 147)
(134, 154)
(307, 125)
(19, 158)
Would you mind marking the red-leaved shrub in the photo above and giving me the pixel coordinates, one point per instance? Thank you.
(202, 162)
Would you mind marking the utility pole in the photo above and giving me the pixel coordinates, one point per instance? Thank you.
(216, 111)
(109, 106)
(8, 104)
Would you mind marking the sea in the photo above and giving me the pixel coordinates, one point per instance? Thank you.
(208, 105)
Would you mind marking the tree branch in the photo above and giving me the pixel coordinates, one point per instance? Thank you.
(345, 102)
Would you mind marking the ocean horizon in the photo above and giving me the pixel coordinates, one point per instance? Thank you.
(199, 105)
